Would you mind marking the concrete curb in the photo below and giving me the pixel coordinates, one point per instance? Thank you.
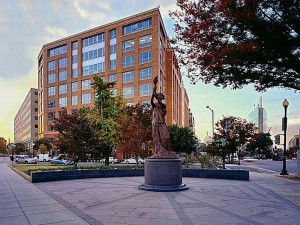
(46, 176)
(22, 174)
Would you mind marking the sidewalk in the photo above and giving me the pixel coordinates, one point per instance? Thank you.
(23, 203)
(265, 199)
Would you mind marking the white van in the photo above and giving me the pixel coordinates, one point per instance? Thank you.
(43, 157)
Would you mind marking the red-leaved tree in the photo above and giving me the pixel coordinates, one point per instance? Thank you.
(135, 132)
(234, 43)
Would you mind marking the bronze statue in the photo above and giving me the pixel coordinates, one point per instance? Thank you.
(160, 134)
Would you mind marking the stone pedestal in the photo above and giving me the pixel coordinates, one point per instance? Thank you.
(163, 174)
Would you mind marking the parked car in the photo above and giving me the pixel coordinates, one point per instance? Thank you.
(110, 159)
(26, 159)
(132, 160)
(43, 157)
(18, 156)
(63, 161)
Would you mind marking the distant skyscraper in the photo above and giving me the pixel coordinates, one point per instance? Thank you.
(259, 117)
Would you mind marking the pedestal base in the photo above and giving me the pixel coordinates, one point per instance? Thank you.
(163, 174)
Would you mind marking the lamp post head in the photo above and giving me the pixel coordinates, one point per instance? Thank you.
(285, 103)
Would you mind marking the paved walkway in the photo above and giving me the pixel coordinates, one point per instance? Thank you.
(266, 199)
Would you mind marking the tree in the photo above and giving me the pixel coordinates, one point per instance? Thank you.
(261, 145)
(42, 144)
(183, 140)
(234, 131)
(3, 145)
(135, 131)
(19, 148)
(75, 134)
(103, 117)
(235, 43)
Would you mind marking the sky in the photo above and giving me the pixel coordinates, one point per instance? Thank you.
(25, 25)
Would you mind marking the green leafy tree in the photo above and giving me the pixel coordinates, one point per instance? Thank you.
(232, 132)
(235, 43)
(3, 145)
(183, 140)
(39, 145)
(135, 131)
(75, 134)
(103, 117)
(19, 148)
(261, 145)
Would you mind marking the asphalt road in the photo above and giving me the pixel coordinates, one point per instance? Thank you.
(266, 166)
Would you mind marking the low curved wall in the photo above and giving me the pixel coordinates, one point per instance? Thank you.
(41, 176)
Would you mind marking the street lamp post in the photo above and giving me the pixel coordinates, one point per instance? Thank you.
(285, 104)
(212, 121)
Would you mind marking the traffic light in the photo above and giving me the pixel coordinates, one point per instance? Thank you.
(228, 124)
(277, 139)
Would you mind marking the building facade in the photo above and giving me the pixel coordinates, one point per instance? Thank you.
(294, 142)
(191, 121)
(26, 120)
(130, 51)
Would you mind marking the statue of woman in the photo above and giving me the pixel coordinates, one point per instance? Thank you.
(160, 134)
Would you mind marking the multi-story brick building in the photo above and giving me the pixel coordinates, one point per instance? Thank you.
(26, 120)
(130, 51)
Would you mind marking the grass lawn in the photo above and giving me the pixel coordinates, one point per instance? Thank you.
(28, 168)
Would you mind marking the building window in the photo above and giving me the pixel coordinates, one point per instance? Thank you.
(146, 41)
(146, 73)
(93, 69)
(113, 49)
(75, 45)
(74, 100)
(51, 103)
(51, 65)
(74, 86)
(51, 78)
(35, 109)
(51, 116)
(58, 50)
(128, 45)
(62, 62)
(112, 64)
(142, 25)
(93, 40)
(36, 117)
(97, 53)
(51, 91)
(74, 59)
(128, 92)
(146, 57)
(50, 128)
(63, 75)
(128, 77)
(112, 78)
(74, 73)
(86, 98)
(62, 102)
(113, 34)
(85, 84)
(145, 89)
(63, 88)
(114, 93)
(128, 60)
